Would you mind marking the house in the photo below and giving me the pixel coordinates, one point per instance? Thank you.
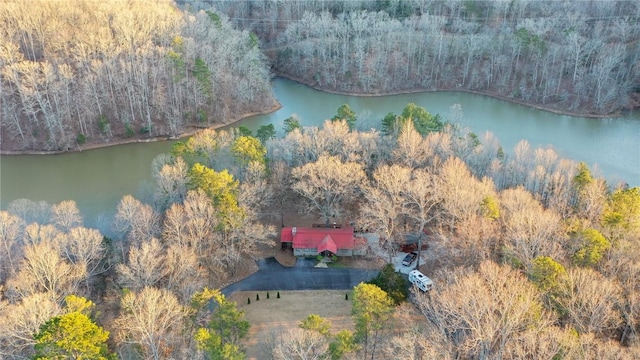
(313, 241)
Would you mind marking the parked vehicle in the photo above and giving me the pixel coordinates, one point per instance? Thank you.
(420, 280)
(410, 258)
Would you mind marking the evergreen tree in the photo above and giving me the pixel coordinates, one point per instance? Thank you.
(221, 338)
(345, 113)
(372, 308)
(72, 335)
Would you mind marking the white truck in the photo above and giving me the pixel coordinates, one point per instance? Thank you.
(420, 280)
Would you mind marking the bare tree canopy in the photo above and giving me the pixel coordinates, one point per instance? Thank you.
(83, 71)
(328, 185)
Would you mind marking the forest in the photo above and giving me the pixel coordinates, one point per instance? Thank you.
(568, 56)
(534, 256)
(77, 74)
(82, 72)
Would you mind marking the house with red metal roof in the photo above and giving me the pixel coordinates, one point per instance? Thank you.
(340, 241)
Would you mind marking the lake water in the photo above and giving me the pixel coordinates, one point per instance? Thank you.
(97, 179)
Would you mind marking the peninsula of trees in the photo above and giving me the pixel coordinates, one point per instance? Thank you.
(98, 72)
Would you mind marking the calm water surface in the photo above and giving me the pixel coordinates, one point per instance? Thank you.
(97, 179)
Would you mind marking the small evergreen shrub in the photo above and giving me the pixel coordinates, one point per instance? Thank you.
(81, 139)
(103, 124)
(267, 295)
(346, 296)
(278, 295)
(128, 130)
(257, 297)
(396, 285)
(202, 116)
(248, 300)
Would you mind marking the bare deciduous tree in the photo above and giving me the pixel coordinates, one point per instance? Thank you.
(255, 193)
(66, 215)
(417, 344)
(462, 194)
(43, 269)
(21, 320)
(84, 246)
(328, 185)
(171, 183)
(529, 230)
(193, 223)
(146, 266)
(152, 319)
(11, 233)
(409, 149)
(184, 276)
(590, 301)
(422, 199)
(31, 211)
(298, 344)
(482, 312)
(384, 207)
(35, 233)
(136, 221)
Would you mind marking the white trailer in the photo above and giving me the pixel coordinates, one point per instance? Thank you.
(420, 280)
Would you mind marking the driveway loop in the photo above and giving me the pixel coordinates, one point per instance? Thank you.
(272, 276)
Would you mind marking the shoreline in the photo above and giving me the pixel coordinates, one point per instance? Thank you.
(192, 129)
(489, 94)
(189, 131)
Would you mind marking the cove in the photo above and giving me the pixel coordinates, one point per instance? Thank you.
(97, 179)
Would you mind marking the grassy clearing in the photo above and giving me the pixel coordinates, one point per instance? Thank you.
(279, 315)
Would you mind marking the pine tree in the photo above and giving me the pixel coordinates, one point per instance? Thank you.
(72, 335)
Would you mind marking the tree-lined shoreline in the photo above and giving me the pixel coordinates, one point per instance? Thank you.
(189, 131)
(480, 93)
(189, 69)
(84, 72)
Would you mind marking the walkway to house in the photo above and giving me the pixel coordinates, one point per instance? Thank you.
(303, 276)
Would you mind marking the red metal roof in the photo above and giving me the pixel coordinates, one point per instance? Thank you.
(315, 238)
(327, 244)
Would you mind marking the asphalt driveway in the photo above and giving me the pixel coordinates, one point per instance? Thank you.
(303, 276)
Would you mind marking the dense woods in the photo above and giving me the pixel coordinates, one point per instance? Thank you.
(569, 56)
(76, 72)
(532, 256)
